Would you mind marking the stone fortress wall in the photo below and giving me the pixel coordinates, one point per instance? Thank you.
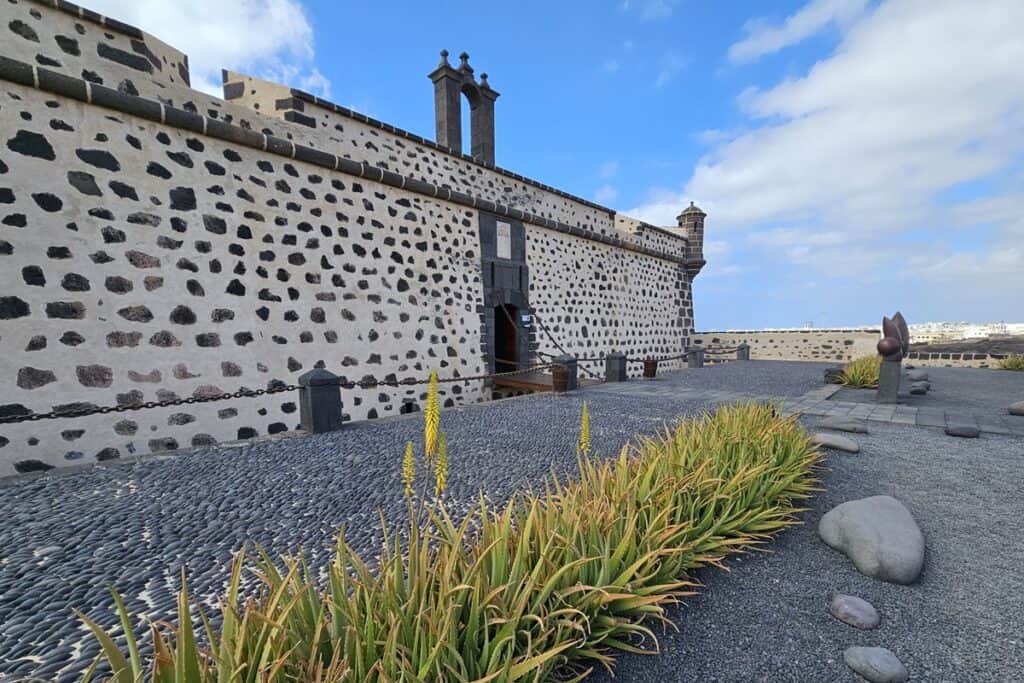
(840, 345)
(159, 243)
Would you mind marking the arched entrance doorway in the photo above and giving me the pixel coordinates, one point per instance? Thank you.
(506, 338)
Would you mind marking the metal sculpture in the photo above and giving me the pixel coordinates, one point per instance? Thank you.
(892, 347)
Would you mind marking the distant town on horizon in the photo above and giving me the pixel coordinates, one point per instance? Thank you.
(928, 332)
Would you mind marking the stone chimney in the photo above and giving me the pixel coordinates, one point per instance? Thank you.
(691, 223)
(449, 86)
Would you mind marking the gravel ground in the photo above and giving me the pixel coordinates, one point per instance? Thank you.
(767, 619)
(65, 536)
(774, 378)
(963, 390)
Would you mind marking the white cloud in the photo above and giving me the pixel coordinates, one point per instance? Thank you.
(671, 64)
(714, 136)
(717, 254)
(605, 194)
(764, 38)
(1003, 265)
(650, 10)
(609, 169)
(842, 169)
(783, 237)
(270, 39)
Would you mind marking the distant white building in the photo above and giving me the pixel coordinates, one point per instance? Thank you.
(933, 332)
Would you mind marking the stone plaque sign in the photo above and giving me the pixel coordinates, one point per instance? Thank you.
(504, 240)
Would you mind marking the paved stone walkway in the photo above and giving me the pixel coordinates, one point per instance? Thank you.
(824, 402)
(819, 402)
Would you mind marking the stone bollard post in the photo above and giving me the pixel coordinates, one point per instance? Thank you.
(559, 379)
(695, 358)
(319, 401)
(743, 351)
(572, 368)
(889, 381)
(615, 367)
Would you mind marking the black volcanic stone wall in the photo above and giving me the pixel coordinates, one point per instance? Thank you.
(595, 299)
(228, 268)
(181, 250)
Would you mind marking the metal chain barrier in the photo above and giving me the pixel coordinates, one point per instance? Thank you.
(660, 359)
(581, 359)
(347, 384)
(561, 348)
(720, 350)
(250, 393)
(82, 412)
(371, 383)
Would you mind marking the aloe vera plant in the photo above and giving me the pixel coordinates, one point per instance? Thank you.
(553, 582)
(862, 372)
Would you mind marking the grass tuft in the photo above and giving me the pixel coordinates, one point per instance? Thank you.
(1013, 362)
(862, 372)
(549, 584)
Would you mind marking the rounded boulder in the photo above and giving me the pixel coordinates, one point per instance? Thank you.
(836, 442)
(879, 535)
(963, 431)
(855, 611)
(876, 664)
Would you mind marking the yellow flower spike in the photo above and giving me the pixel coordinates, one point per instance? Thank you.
(431, 420)
(408, 470)
(441, 469)
(583, 445)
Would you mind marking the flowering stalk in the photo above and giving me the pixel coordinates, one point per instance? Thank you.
(431, 420)
(408, 470)
(583, 445)
(441, 468)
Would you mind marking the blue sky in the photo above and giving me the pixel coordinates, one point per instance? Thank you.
(854, 156)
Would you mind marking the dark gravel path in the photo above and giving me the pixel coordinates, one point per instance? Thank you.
(768, 619)
(774, 378)
(963, 390)
(66, 536)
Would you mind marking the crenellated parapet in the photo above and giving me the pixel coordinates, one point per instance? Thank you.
(84, 44)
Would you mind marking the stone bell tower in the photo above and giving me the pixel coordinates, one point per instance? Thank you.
(450, 84)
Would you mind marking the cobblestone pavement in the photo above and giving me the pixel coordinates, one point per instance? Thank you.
(921, 412)
(959, 396)
(66, 535)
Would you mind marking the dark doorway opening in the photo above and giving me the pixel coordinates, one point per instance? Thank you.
(506, 338)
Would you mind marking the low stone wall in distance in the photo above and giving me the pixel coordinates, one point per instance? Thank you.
(954, 360)
(807, 345)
